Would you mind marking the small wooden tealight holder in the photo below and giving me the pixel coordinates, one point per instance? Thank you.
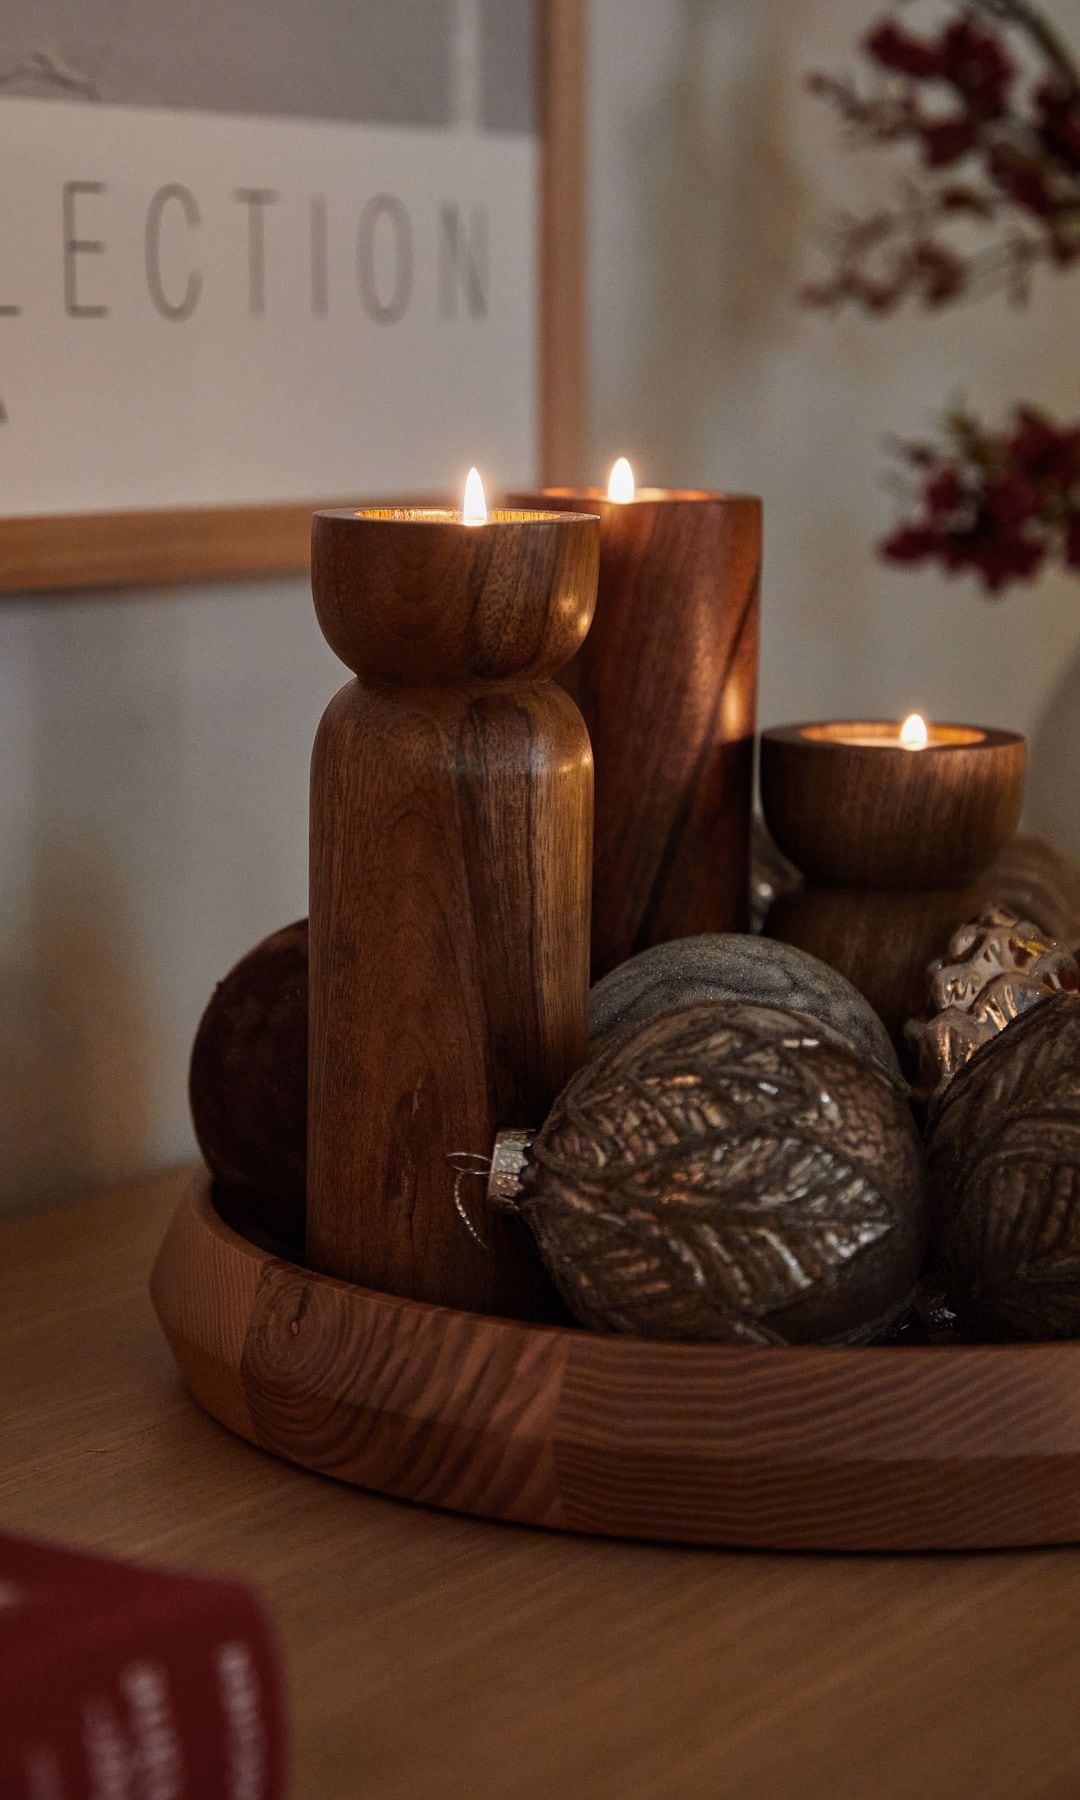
(893, 842)
(451, 826)
(667, 684)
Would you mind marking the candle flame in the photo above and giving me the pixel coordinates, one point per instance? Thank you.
(913, 732)
(474, 506)
(620, 487)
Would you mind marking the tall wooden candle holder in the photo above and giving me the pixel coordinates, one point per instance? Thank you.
(451, 822)
(667, 684)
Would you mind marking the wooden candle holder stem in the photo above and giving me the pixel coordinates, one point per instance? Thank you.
(667, 684)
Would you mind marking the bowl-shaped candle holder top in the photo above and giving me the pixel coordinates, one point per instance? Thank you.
(436, 600)
(848, 803)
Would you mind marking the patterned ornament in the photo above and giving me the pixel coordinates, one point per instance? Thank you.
(733, 966)
(729, 1172)
(998, 966)
(1003, 1146)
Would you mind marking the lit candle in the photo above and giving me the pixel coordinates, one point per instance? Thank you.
(474, 508)
(886, 805)
(667, 682)
(913, 734)
(621, 487)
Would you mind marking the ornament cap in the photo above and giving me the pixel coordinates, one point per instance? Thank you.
(509, 1160)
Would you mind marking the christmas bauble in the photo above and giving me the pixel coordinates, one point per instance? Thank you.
(248, 1083)
(730, 1172)
(731, 966)
(1004, 1170)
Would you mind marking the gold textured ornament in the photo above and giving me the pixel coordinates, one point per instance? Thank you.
(731, 1173)
(998, 966)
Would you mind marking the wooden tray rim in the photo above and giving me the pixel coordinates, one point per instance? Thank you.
(883, 1447)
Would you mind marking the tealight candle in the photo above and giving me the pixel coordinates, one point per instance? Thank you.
(882, 805)
(451, 823)
(913, 734)
(667, 684)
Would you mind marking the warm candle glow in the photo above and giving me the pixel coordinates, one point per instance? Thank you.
(620, 485)
(913, 732)
(474, 506)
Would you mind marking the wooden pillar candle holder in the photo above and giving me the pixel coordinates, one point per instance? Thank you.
(894, 843)
(667, 684)
(451, 822)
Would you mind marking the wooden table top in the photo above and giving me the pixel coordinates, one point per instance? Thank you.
(432, 1657)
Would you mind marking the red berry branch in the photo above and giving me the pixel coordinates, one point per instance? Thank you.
(990, 105)
(996, 504)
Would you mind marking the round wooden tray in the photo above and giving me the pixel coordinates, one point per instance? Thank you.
(879, 1449)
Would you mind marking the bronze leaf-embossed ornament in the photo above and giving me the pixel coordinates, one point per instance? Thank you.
(730, 1172)
(1004, 1168)
(998, 967)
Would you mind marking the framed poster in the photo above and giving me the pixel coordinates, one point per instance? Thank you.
(261, 256)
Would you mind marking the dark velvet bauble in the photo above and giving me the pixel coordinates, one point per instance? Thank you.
(248, 1084)
(730, 1172)
(730, 966)
(1004, 1168)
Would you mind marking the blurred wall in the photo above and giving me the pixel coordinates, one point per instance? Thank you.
(712, 169)
(154, 752)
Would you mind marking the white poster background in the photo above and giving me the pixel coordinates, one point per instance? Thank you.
(387, 377)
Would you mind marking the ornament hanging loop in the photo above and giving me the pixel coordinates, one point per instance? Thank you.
(503, 1171)
(466, 1164)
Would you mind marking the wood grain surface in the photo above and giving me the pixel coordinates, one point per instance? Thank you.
(808, 1448)
(128, 549)
(883, 939)
(450, 857)
(888, 817)
(564, 189)
(433, 1656)
(1039, 883)
(667, 685)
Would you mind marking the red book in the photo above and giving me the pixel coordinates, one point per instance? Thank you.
(123, 1683)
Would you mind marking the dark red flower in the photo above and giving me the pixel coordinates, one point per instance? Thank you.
(911, 543)
(1058, 121)
(996, 505)
(944, 492)
(947, 141)
(941, 275)
(1010, 501)
(1000, 560)
(893, 48)
(964, 200)
(1024, 179)
(1047, 454)
(978, 66)
(1064, 246)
